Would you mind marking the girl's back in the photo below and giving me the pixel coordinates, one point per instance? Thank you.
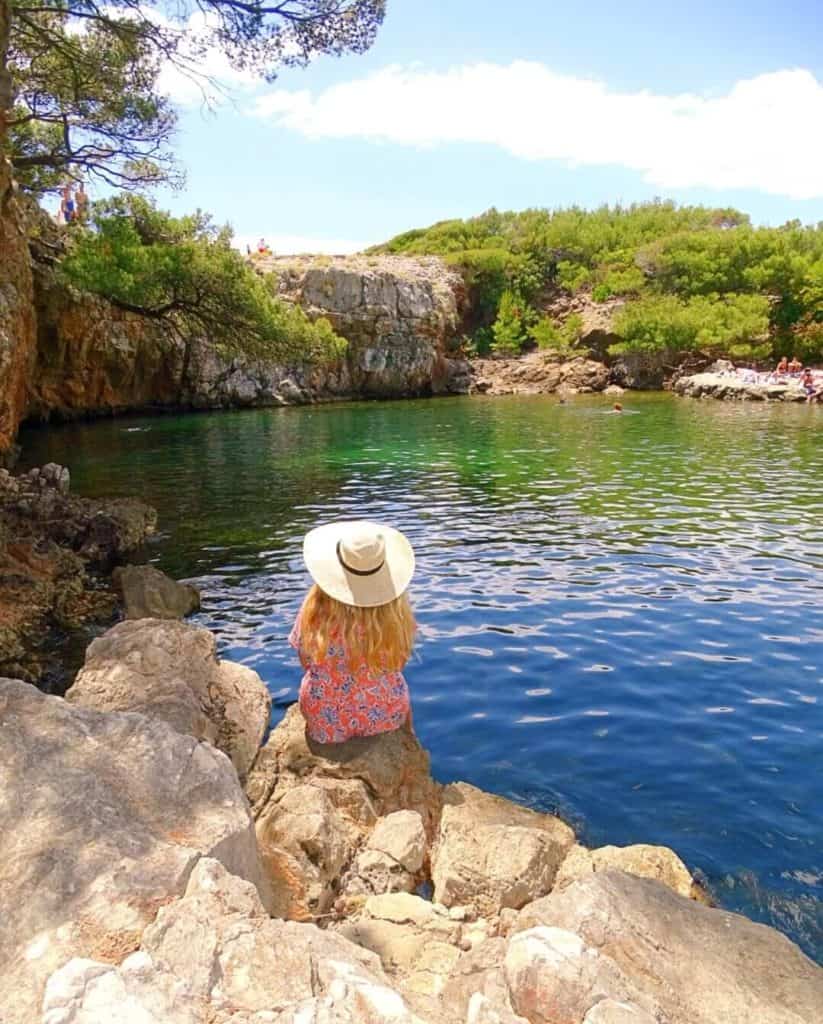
(355, 632)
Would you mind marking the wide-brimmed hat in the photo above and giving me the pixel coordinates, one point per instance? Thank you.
(359, 563)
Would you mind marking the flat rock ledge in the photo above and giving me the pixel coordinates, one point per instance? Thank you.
(143, 886)
(735, 389)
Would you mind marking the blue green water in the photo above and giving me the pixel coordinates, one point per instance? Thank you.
(621, 616)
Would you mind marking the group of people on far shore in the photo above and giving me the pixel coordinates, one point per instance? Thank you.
(809, 381)
(74, 206)
(787, 371)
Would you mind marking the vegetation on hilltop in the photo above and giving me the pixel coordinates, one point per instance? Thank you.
(693, 279)
(184, 273)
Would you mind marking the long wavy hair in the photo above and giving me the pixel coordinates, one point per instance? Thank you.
(381, 638)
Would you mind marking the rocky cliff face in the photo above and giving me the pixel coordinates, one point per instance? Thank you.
(95, 358)
(398, 315)
(17, 333)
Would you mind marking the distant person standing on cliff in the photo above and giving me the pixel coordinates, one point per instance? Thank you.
(67, 208)
(81, 202)
(355, 631)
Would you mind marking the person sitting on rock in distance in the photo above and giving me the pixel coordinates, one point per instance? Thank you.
(795, 366)
(783, 366)
(355, 631)
(814, 391)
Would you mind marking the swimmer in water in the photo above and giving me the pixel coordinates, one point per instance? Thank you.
(617, 407)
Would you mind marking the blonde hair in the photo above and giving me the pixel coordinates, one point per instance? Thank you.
(381, 637)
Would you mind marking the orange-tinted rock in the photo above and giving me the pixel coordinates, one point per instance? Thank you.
(17, 329)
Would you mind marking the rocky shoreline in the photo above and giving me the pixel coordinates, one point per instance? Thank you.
(56, 556)
(164, 868)
(723, 384)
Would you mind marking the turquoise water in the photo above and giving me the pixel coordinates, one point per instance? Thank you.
(621, 616)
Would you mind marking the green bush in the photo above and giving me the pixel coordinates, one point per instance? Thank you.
(648, 253)
(562, 338)
(736, 326)
(511, 328)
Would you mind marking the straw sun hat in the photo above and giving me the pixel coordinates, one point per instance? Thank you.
(359, 563)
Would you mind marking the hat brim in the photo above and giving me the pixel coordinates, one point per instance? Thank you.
(383, 586)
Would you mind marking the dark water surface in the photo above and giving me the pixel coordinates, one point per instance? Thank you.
(621, 615)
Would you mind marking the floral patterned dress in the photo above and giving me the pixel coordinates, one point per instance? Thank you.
(339, 703)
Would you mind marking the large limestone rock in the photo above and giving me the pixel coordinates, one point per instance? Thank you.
(477, 988)
(93, 358)
(657, 862)
(170, 671)
(215, 957)
(492, 853)
(732, 388)
(103, 817)
(399, 315)
(315, 805)
(149, 593)
(392, 858)
(609, 1011)
(697, 964)
(553, 977)
(538, 373)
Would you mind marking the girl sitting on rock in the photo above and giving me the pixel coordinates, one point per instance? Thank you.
(355, 631)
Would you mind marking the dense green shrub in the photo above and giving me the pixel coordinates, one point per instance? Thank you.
(648, 253)
(561, 337)
(736, 325)
(511, 328)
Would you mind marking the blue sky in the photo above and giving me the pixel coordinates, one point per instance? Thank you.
(461, 106)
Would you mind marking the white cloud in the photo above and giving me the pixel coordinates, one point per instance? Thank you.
(763, 134)
(292, 245)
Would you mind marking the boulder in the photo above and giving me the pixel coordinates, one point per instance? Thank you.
(609, 1011)
(553, 977)
(392, 859)
(215, 956)
(170, 671)
(657, 862)
(149, 593)
(492, 853)
(307, 842)
(538, 373)
(644, 370)
(479, 972)
(354, 783)
(699, 965)
(103, 817)
(416, 944)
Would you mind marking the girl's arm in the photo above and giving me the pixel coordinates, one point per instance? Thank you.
(294, 639)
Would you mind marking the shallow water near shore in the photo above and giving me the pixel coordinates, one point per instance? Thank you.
(621, 616)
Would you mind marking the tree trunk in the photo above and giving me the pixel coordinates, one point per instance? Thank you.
(188, 344)
(5, 74)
